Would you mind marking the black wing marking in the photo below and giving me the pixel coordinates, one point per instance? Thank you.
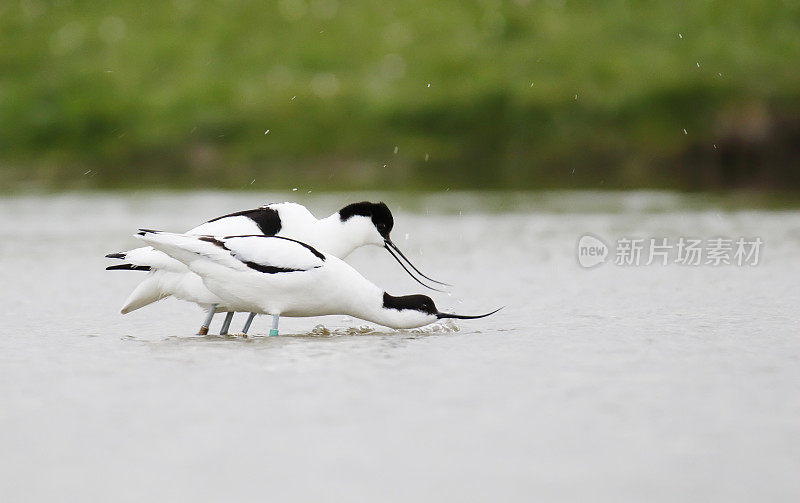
(271, 269)
(267, 219)
(270, 254)
(128, 267)
(307, 246)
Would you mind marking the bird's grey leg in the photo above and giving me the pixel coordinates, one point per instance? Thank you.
(226, 324)
(248, 322)
(274, 329)
(204, 329)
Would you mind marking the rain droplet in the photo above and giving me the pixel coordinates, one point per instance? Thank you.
(294, 189)
(427, 156)
(429, 85)
(267, 131)
(680, 36)
(396, 149)
(684, 131)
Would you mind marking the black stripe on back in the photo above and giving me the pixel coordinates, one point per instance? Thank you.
(307, 246)
(267, 219)
(214, 241)
(269, 269)
(128, 267)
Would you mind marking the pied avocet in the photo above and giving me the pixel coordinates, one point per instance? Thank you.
(285, 277)
(355, 225)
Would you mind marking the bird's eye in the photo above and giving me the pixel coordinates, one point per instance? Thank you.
(381, 227)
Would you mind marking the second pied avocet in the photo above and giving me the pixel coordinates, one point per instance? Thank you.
(284, 277)
(355, 225)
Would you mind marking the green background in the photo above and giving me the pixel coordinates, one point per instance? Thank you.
(691, 95)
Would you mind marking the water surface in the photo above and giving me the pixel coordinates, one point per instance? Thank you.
(660, 383)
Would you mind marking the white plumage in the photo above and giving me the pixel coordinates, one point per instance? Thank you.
(355, 225)
(170, 277)
(284, 277)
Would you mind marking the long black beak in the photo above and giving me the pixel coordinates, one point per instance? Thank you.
(465, 316)
(389, 245)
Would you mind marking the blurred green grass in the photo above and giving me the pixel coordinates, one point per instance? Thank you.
(417, 95)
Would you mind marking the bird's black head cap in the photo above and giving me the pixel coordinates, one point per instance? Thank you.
(421, 303)
(378, 212)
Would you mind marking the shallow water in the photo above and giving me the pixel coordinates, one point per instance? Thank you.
(660, 383)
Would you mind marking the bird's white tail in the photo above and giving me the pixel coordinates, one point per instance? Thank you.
(146, 293)
(147, 257)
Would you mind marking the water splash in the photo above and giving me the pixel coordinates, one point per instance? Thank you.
(360, 330)
(440, 327)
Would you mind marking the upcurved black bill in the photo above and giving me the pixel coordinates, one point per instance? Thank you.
(389, 244)
(409, 272)
(465, 316)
